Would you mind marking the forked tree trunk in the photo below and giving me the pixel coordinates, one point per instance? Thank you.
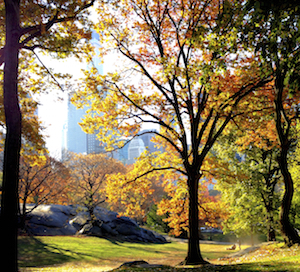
(9, 201)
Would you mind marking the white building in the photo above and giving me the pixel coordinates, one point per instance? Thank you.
(135, 149)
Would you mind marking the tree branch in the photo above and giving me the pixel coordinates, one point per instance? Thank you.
(154, 170)
(37, 30)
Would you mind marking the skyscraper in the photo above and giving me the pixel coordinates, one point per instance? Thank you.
(74, 139)
(147, 135)
(135, 149)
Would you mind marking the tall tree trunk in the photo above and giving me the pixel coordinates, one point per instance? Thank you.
(283, 124)
(9, 201)
(194, 255)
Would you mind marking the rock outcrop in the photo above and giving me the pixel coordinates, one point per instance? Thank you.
(72, 220)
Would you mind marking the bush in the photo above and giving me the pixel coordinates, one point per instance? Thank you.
(156, 222)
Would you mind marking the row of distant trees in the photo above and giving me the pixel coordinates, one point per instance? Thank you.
(80, 179)
(251, 187)
(96, 179)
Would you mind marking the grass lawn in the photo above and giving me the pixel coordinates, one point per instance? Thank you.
(66, 253)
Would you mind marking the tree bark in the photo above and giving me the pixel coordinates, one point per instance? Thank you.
(194, 256)
(289, 233)
(283, 124)
(270, 223)
(9, 201)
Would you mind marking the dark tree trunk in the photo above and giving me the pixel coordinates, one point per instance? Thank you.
(270, 223)
(283, 125)
(271, 234)
(269, 206)
(194, 256)
(22, 214)
(289, 233)
(9, 201)
(91, 206)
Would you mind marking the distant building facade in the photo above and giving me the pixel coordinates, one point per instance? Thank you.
(141, 143)
(74, 139)
(135, 149)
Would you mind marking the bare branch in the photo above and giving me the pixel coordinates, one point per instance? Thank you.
(48, 71)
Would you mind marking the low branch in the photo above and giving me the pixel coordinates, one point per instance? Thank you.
(154, 170)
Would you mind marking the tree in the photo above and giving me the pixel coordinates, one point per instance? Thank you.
(134, 197)
(9, 200)
(157, 222)
(29, 25)
(183, 85)
(249, 183)
(89, 174)
(272, 28)
(247, 214)
(41, 181)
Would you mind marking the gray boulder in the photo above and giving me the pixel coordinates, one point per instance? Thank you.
(105, 215)
(71, 220)
(51, 220)
(91, 230)
(126, 227)
(109, 230)
(79, 220)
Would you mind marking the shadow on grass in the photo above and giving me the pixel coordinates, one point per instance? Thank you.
(247, 267)
(34, 253)
(275, 266)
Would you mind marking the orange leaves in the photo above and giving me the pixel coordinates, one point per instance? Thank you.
(129, 197)
(43, 180)
(175, 205)
(89, 176)
(132, 193)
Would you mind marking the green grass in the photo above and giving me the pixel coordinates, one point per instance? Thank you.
(64, 253)
(47, 251)
(55, 250)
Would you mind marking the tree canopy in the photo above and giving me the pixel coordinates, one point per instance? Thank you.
(185, 85)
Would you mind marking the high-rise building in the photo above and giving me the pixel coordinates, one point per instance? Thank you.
(135, 149)
(146, 136)
(141, 143)
(74, 139)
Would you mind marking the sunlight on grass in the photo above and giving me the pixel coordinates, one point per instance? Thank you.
(85, 253)
(57, 254)
(271, 257)
(73, 267)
